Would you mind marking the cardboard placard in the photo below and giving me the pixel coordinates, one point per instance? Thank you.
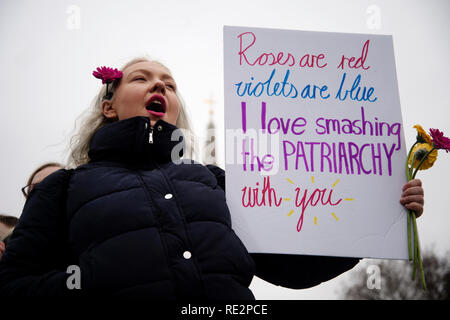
(315, 150)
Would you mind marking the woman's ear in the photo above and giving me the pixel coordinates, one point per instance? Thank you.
(108, 110)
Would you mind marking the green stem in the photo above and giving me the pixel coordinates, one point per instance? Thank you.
(408, 216)
(417, 256)
(411, 219)
(416, 246)
(408, 170)
(420, 163)
(422, 274)
(412, 167)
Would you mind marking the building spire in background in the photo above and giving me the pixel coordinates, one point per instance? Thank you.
(209, 151)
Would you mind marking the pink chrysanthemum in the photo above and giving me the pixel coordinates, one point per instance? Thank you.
(107, 75)
(439, 140)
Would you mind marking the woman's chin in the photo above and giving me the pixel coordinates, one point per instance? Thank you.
(154, 119)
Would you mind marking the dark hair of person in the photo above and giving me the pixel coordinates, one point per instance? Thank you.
(9, 221)
(45, 165)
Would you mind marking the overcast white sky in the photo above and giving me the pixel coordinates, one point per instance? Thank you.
(49, 49)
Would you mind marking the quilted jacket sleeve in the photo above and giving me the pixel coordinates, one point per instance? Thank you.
(293, 271)
(36, 258)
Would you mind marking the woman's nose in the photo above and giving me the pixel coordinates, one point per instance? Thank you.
(158, 86)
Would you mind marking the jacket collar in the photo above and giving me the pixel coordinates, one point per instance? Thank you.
(134, 141)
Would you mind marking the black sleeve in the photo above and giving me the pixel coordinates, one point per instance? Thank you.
(293, 271)
(36, 257)
(300, 271)
(219, 173)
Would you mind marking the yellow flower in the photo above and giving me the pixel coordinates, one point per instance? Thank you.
(422, 136)
(419, 151)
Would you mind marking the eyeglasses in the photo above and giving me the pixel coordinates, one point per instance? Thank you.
(27, 189)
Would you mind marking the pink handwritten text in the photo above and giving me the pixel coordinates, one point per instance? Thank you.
(247, 41)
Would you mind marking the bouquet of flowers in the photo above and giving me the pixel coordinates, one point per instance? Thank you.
(421, 156)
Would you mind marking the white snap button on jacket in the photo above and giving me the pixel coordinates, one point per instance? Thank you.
(168, 196)
(187, 255)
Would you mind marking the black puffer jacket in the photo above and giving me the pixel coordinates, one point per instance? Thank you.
(139, 225)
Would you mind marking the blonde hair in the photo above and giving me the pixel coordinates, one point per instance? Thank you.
(94, 119)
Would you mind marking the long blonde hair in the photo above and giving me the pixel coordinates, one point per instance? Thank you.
(94, 119)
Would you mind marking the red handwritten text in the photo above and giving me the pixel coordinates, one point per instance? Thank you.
(255, 197)
(248, 39)
(354, 63)
(313, 199)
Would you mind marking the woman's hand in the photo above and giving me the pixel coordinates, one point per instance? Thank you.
(412, 196)
(2, 248)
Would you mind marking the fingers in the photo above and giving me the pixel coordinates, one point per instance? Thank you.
(411, 191)
(412, 183)
(410, 199)
(414, 203)
(416, 207)
(413, 196)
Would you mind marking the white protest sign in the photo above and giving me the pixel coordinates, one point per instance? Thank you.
(315, 151)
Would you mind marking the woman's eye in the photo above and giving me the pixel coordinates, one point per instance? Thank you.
(170, 86)
(139, 78)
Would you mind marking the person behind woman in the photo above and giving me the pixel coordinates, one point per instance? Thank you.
(38, 175)
(136, 223)
(7, 224)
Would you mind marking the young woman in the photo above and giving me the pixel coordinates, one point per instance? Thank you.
(136, 223)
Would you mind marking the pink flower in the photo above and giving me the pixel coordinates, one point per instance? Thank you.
(107, 75)
(439, 140)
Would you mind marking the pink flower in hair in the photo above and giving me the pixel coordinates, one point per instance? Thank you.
(107, 75)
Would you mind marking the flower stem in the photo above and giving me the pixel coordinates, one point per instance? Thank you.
(417, 257)
(415, 246)
(409, 217)
(413, 160)
(408, 169)
(422, 274)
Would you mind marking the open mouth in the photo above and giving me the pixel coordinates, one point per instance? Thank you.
(156, 106)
